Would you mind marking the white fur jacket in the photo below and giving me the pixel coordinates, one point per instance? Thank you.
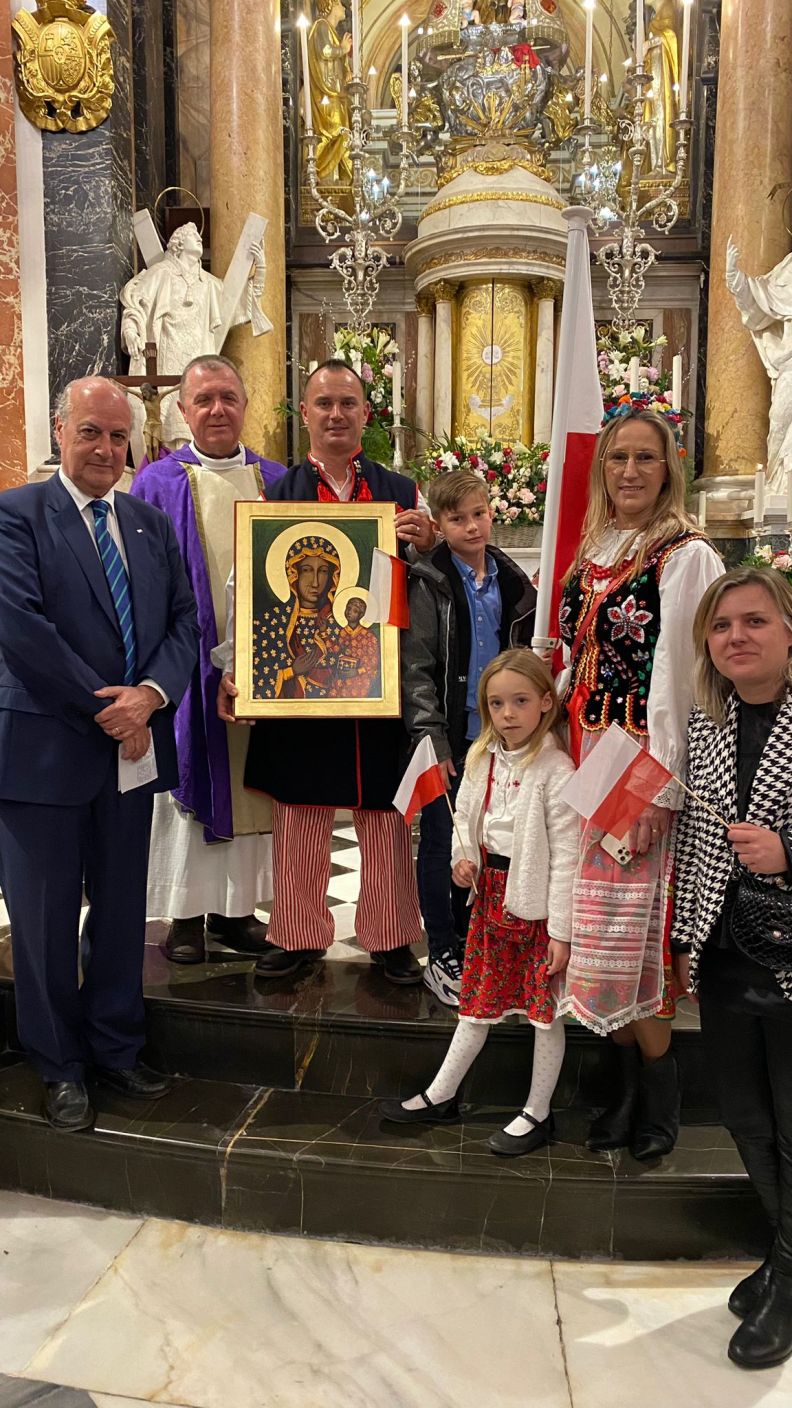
(546, 838)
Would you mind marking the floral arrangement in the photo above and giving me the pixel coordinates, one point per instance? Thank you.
(515, 474)
(779, 559)
(614, 354)
(372, 357)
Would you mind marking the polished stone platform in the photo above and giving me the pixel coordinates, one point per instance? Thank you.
(273, 1125)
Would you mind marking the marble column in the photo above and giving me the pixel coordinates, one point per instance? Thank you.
(424, 369)
(246, 173)
(753, 152)
(12, 402)
(546, 291)
(88, 204)
(444, 293)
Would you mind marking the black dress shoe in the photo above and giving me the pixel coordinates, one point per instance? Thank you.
(66, 1105)
(399, 965)
(747, 1293)
(657, 1112)
(444, 1110)
(137, 1082)
(282, 962)
(512, 1144)
(613, 1128)
(245, 935)
(185, 941)
(764, 1338)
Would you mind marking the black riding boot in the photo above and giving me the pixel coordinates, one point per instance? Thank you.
(612, 1129)
(657, 1113)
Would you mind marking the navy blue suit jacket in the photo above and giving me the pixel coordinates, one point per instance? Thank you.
(60, 641)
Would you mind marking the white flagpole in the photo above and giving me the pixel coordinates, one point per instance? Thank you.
(577, 284)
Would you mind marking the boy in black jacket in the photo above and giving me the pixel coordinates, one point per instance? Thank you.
(468, 601)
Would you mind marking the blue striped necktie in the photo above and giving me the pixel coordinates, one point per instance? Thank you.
(118, 582)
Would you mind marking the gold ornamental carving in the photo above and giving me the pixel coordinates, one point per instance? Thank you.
(444, 292)
(64, 68)
(424, 303)
(473, 197)
(475, 256)
(451, 166)
(546, 289)
(493, 371)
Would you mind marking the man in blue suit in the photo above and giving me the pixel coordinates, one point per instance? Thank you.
(98, 640)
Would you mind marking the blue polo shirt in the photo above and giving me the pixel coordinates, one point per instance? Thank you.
(484, 605)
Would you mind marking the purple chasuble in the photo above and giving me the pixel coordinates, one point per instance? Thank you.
(204, 776)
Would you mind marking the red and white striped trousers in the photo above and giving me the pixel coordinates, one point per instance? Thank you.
(387, 911)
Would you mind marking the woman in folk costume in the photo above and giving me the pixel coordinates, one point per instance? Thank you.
(732, 930)
(626, 618)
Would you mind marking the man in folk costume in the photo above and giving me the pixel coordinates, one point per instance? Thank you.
(312, 766)
(210, 844)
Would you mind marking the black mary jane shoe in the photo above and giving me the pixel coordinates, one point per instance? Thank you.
(247, 935)
(748, 1293)
(399, 966)
(66, 1105)
(136, 1082)
(444, 1110)
(764, 1339)
(185, 941)
(512, 1144)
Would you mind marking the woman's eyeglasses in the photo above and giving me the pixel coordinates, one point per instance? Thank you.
(643, 460)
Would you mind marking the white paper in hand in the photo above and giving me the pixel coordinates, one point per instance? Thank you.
(131, 775)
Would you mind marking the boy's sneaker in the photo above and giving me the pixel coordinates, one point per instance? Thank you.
(443, 977)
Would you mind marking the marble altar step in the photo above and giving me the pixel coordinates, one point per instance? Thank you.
(324, 1165)
(342, 1029)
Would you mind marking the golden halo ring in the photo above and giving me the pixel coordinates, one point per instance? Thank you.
(341, 599)
(184, 190)
(277, 580)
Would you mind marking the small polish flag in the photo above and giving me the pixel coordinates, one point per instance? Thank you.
(388, 590)
(616, 782)
(422, 783)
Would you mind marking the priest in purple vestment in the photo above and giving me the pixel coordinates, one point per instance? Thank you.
(211, 854)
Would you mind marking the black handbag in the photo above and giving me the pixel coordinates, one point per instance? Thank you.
(761, 921)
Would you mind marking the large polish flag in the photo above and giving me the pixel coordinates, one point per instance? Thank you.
(577, 417)
(388, 590)
(422, 783)
(616, 782)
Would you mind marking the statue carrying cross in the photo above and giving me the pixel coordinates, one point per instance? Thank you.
(183, 311)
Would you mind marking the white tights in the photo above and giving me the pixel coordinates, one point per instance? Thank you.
(468, 1040)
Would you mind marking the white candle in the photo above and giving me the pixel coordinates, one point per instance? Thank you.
(355, 38)
(302, 25)
(676, 383)
(405, 29)
(372, 87)
(639, 33)
(759, 496)
(685, 65)
(397, 393)
(635, 377)
(588, 6)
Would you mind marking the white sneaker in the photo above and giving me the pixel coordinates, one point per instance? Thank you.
(443, 977)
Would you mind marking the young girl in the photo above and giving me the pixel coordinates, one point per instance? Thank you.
(520, 850)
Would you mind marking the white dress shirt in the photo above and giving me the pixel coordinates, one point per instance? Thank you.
(83, 502)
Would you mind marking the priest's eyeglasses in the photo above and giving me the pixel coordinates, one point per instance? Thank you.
(644, 460)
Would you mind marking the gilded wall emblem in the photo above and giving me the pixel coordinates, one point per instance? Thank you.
(64, 69)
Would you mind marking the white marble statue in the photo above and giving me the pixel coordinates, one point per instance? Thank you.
(765, 305)
(185, 312)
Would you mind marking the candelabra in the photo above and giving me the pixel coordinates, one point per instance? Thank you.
(374, 212)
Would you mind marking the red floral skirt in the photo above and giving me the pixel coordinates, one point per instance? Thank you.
(505, 970)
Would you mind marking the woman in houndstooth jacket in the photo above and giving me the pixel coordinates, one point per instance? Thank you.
(740, 765)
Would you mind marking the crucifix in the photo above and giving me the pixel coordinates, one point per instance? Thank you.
(146, 388)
